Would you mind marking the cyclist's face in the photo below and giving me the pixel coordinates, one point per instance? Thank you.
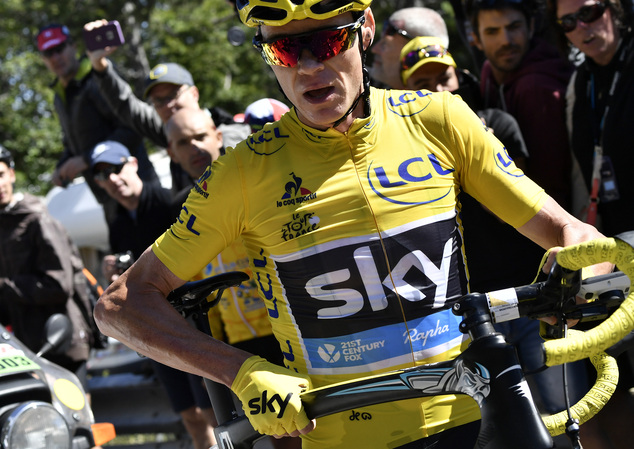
(7, 178)
(598, 39)
(194, 141)
(322, 92)
(434, 76)
(504, 37)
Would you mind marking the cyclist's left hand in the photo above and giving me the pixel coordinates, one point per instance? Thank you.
(594, 270)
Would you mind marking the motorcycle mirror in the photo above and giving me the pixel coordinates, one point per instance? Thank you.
(58, 332)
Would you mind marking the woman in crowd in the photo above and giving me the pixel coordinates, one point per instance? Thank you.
(600, 107)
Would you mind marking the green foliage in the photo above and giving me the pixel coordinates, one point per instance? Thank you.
(192, 33)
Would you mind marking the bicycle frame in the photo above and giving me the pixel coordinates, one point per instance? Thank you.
(488, 370)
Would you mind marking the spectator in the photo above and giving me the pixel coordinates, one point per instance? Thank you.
(600, 104)
(83, 113)
(168, 88)
(402, 26)
(600, 100)
(40, 273)
(491, 245)
(194, 143)
(526, 77)
(263, 111)
(145, 210)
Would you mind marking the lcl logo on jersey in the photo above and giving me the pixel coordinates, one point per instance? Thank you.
(400, 105)
(385, 181)
(505, 163)
(256, 142)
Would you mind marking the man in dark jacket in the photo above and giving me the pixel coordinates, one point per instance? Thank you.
(83, 114)
(527, 77)
(167, 88)
(40, 272)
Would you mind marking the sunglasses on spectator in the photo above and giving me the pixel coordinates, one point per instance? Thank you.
(55, 50)
(161, 102)
(103, 174)
(323, 44)
(391, 30)
(585, 14)
(430, 51)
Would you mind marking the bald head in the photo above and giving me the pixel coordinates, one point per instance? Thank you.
(194, 142)
(404, 24)
(420, 21)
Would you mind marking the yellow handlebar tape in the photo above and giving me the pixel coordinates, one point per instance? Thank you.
(594, 400)
(586, 344)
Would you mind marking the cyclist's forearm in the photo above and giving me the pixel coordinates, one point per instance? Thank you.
(134, 311)
(553, 227)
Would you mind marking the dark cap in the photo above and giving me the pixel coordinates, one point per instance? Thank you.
(171, 73)
(6, 156)
(52, 36)
(109, 152)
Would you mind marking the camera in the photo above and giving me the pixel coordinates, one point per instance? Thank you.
(109, 35)
(123, 261)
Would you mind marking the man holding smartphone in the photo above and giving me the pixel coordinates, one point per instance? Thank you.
(167, 88)
(84, 115)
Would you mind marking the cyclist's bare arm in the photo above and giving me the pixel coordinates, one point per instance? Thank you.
(553, 227)
(133, 309)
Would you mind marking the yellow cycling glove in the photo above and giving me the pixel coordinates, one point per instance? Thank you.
(270, 396)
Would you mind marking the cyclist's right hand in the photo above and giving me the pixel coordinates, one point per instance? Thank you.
(270, 396)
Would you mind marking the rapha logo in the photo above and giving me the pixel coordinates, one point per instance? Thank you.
(295, 193)
(329, 353)
(263, 405)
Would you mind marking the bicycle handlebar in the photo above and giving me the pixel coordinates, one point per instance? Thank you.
(617, 326)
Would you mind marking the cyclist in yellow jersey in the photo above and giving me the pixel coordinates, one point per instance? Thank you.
(348, 210)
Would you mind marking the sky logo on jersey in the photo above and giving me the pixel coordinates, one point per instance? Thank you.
(294, 193)
(353, 309)
(401, 104)
(391, 183)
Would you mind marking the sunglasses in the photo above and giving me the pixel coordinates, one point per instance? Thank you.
(161, 102)
(431, 51)
(55, 50)
(391, 30)
(323, 44)
(103, 175)
(586, 14)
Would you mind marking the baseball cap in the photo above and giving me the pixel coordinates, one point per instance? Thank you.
(167, 73)
(109, 152)
(420, 51)
(51, 36)
(263, 111)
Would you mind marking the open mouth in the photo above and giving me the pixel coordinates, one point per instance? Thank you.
(319, 93)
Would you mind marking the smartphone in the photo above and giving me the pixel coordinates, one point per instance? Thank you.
(109, 35)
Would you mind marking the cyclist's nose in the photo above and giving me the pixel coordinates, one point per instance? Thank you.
(307, 61)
